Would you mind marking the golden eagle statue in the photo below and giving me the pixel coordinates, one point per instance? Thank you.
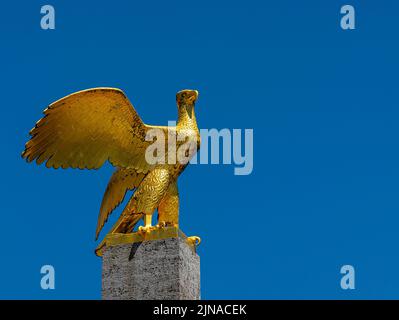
(85, 129)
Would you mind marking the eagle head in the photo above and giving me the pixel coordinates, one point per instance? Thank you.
(186, 97)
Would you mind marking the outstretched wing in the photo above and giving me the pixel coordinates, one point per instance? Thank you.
(87, 128)
(122, 180)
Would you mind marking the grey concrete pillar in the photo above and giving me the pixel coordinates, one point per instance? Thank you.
(153, 269)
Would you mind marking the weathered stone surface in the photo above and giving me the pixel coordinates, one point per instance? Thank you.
(153, 270)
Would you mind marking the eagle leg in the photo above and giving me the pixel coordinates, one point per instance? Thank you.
(168, 209)
(147, 224)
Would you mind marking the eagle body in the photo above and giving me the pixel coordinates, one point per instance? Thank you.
(90, 127)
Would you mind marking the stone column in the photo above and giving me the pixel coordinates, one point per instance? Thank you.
(162, 266)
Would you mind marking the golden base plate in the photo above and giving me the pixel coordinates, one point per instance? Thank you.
(114, 239)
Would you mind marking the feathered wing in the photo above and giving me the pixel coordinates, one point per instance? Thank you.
(87, 128)
(122, 180)
(168, 209)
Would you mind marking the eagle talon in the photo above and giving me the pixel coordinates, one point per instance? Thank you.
(145, 229)
(194, 240)
(161, 225)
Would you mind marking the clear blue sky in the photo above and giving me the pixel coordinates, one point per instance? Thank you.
(323, 104)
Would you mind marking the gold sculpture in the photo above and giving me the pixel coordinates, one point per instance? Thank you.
(89, 127)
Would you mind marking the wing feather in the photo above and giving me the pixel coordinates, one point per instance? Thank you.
(87, 128)
(122, 180)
